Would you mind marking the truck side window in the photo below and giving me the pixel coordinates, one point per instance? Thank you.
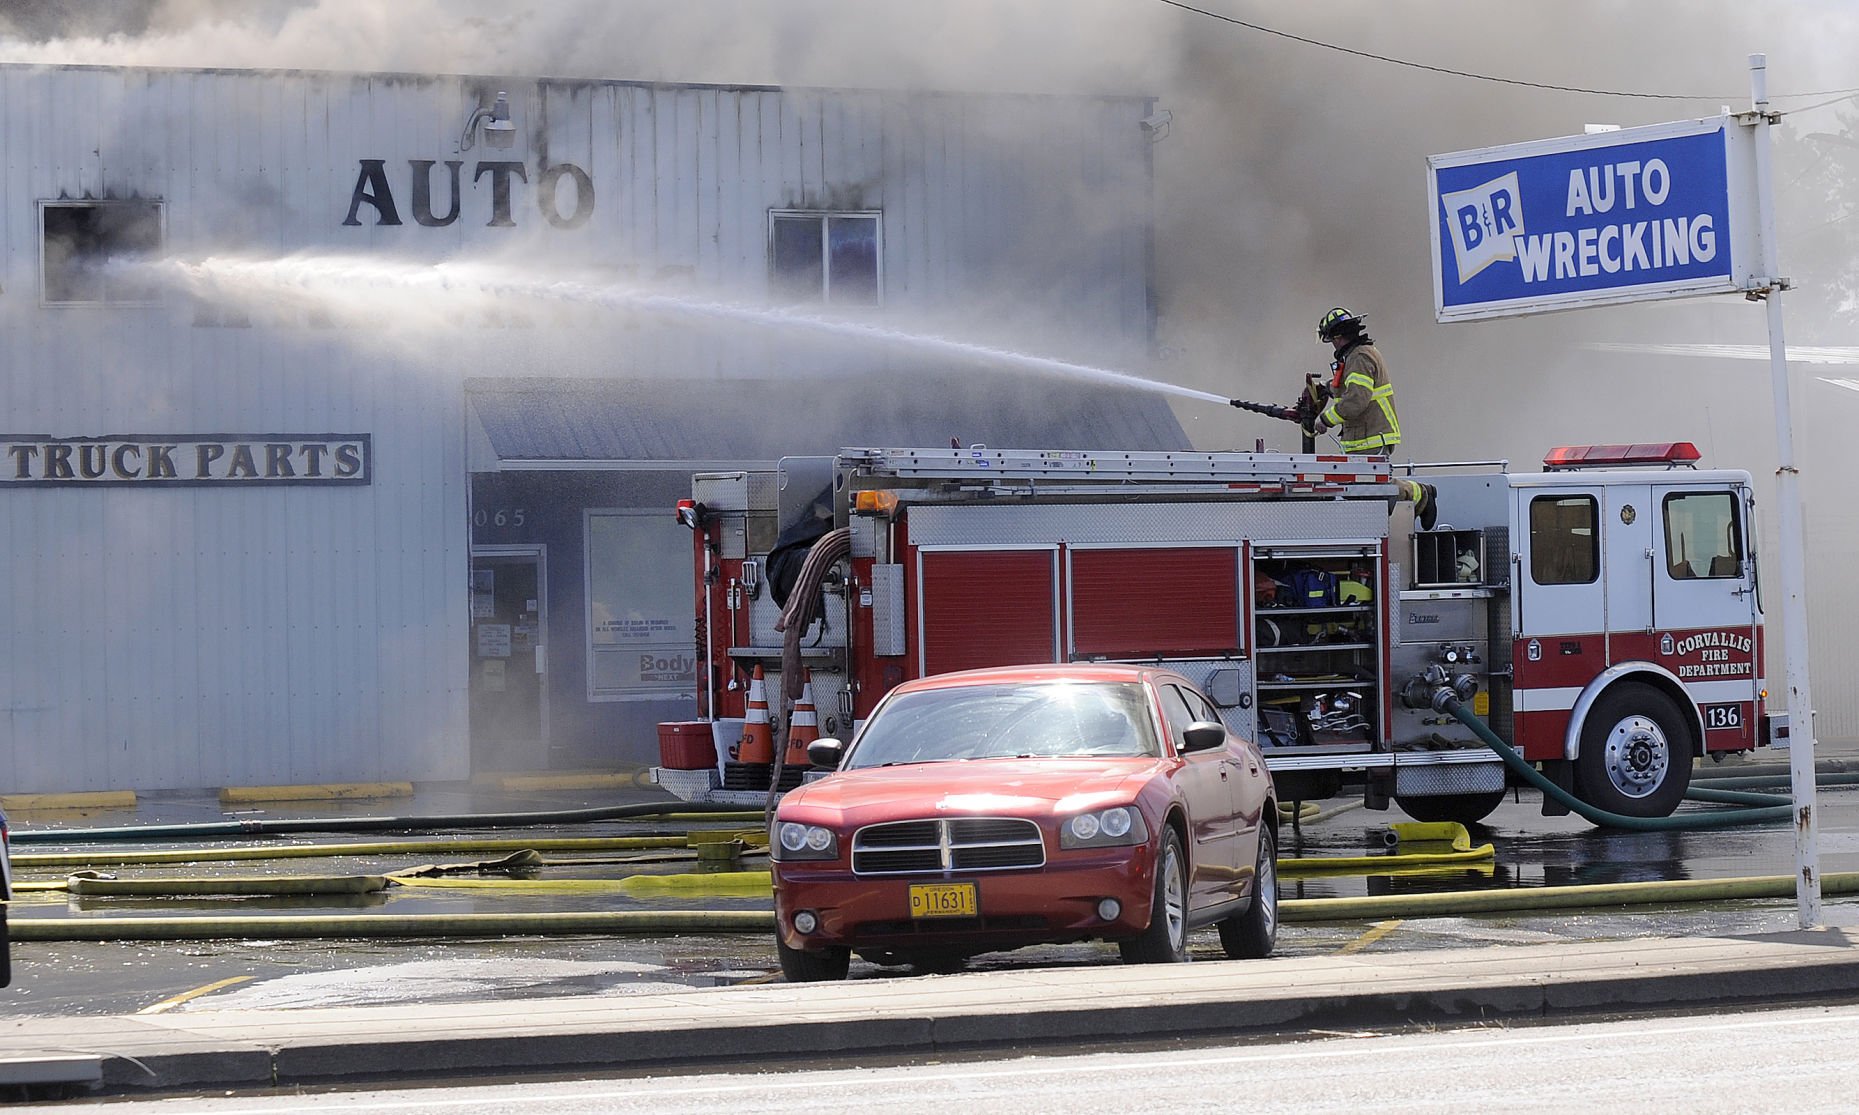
(1703, 538)
(1565, 540)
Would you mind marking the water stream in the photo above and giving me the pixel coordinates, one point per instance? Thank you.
(329, 278)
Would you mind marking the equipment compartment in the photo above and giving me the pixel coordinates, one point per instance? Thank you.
(1318, 647)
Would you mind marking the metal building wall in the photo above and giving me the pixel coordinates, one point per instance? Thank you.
(204, 636)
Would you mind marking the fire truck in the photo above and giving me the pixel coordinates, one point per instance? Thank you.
(1602, 615)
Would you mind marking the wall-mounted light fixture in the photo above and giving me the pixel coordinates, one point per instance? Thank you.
(499, 132)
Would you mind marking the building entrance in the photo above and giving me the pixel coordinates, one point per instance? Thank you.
(509, 662)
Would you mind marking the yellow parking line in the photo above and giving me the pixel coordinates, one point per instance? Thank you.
(1381, 929)
(175, 1001)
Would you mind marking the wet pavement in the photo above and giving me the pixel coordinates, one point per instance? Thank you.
(125, 977)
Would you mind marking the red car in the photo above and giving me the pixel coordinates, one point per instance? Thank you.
(992, 809)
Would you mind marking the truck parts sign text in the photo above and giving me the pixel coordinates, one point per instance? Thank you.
(186, 459)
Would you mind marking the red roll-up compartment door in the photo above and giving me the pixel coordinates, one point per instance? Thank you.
(1138, 603)
(988, 608)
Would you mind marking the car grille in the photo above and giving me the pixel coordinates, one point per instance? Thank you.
(946, 846)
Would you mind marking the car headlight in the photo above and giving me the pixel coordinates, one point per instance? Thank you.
(796, 841)
(1106, 828)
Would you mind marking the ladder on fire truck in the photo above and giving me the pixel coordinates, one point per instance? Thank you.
(1267, 473)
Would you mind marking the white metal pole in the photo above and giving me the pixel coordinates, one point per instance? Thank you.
(1788, 495)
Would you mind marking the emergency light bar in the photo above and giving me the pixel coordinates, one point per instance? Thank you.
(1671, 454)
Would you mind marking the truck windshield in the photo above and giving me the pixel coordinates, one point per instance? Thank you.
(1039, 720)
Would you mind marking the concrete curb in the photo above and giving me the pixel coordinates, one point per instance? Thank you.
(327, 791)
(925, 1015)
(85, 799)
(564, 780)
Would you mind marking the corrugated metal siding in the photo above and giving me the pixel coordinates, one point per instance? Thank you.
(204, 637)
(621, 420)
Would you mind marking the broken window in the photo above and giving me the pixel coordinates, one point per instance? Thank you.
(825, 257)
(84, 241)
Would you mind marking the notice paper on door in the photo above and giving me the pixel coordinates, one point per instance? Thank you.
(493, 640)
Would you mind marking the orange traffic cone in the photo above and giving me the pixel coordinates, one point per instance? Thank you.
(803, 726)
(758, 737)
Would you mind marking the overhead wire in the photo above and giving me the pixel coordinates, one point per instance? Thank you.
(1450, 72)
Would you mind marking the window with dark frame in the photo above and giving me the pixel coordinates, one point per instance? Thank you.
(1703, 537)
(1565, 540)
(80, 240)
(825, 257)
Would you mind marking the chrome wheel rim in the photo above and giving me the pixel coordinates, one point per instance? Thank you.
(1267, 888)
(1637, 756)
(1174, 900)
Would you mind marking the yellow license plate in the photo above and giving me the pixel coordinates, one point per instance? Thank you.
(943, 900)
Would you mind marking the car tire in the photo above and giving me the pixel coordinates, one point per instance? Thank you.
(1253, 934)
(1165, 941)
(1467, 809)
(1636, 753)
(810, 966)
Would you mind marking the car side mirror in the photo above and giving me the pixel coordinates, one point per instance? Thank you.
(1203, 735)
(825, 753)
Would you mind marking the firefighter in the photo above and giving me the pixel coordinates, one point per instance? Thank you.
(1361, 403)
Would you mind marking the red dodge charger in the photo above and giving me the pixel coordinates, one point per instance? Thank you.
(991, 809)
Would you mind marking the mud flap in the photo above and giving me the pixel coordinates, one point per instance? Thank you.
(1562, 773)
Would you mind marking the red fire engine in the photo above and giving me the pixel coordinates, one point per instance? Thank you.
(1603, 615)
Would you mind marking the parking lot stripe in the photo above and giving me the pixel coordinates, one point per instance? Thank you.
(176, 1000)
(1376, 932)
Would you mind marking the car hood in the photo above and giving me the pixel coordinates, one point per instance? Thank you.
(995, 787)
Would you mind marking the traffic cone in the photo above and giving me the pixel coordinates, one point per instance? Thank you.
(752, 756)
(758, 737)
(803, 726)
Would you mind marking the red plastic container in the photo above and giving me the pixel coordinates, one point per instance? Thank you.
(686, 745)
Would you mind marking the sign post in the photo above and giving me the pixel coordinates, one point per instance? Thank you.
(1769, 284)
(1665, 211)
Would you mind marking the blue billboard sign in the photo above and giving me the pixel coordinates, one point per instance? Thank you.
(1656, 212)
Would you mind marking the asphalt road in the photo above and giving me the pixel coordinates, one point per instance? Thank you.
(1797, 1060)
(117, 978)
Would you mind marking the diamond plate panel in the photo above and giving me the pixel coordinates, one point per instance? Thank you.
(1448, 778)
(721, 491)
(1124, 523)
(887, 609)
(864, 536)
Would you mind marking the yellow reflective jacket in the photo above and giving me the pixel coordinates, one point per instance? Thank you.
(1363, 404)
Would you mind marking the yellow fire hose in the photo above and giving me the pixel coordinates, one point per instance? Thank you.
(267, 927)
(279, 886)
(107, 857)
(635, 922)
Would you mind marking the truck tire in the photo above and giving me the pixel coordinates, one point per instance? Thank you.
(1165, 941)
(1253, 934)
(1467, 809)
(1636, 752)
(801, 966)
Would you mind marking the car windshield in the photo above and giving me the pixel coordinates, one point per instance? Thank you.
(1050, 719)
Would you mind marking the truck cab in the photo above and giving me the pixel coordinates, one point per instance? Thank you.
(1625, 617)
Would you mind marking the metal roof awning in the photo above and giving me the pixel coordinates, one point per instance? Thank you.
(698, 424)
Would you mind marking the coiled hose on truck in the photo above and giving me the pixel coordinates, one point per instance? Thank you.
(1753, 809)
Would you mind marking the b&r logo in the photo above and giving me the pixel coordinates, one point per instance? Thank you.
(1485, 222)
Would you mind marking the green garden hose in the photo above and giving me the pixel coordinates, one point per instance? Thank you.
(1445, 700)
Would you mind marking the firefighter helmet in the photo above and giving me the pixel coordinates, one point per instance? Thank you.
(1339, 322)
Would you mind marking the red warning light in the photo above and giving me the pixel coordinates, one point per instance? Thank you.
(1671, 454)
